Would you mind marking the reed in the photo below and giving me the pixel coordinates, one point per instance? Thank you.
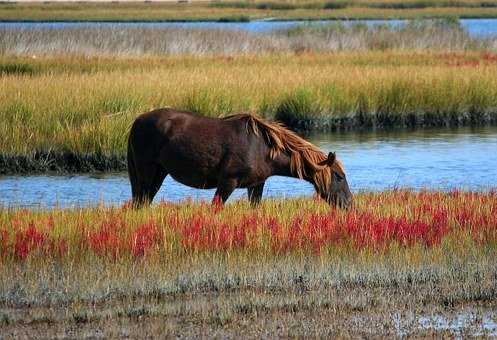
(243, 11)
(81, 108)
(113, 40)
(211, 267)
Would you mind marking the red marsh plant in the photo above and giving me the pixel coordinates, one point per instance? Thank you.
(378, 222)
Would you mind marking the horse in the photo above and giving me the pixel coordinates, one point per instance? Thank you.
(237, 151)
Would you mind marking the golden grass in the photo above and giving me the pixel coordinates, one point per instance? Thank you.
(85, 106)
(201, 11)
(396, 252)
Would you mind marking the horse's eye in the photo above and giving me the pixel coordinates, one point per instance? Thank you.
(338, 177)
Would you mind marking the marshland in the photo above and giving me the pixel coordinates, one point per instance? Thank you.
(409, 107)
(399, 261)
(244, 11)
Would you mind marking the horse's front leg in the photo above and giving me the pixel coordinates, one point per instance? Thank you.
(224, 189)
(255, 194)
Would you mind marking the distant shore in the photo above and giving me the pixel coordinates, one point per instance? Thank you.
(239, 11)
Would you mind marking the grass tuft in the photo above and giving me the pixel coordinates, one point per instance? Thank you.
(299, 106)
(13, 68)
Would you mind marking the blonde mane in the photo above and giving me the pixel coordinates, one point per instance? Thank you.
(304, 156)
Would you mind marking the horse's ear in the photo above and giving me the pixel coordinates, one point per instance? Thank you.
(332, 156)
(328, 161)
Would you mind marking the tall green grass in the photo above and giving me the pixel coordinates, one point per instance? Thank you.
(15, 68)
(84, 107)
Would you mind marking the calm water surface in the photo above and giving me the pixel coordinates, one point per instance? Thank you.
(429, 159)
(475, 27)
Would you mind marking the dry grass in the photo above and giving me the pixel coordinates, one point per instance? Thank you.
(195, 284)
(437, 35)
(244, 11)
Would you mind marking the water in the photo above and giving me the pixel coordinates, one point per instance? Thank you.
(472, 322)
(475, 27)
(445, 159)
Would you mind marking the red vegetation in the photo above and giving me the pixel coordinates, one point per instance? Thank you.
(489, 58)
(401, 218)
(31, 239)
(461, 60)
(28, 240)
(144, 238)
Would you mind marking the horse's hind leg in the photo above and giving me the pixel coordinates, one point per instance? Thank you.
(224, 189)
(255, 194)
(149, 178)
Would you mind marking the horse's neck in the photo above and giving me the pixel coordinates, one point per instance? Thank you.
(281, 167)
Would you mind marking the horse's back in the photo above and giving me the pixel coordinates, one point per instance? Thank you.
(169, 122)
(194, 150)
(159, 121)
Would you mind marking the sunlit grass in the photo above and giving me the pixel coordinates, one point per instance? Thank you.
(390, 238)
(86, 106)
(242, 10)
(379, 223)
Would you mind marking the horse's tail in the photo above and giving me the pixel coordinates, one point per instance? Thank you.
(133, 177)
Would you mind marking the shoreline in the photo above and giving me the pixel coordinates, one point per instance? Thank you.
(60, 163)
(238, 20)
(155, 11)
(242, 20)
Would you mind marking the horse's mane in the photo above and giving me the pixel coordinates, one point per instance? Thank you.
(304, 156)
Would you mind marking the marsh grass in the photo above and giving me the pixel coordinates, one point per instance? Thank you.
(117, 41)
(389, 4)
(16, 69)
(243, 11)
(187, 278)
(300, 105)
(69, 96)
(82, 108)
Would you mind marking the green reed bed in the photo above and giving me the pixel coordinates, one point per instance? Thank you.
(67, 111)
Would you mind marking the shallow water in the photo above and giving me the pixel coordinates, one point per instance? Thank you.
(446, 159)
(464, 323)
(475, 27)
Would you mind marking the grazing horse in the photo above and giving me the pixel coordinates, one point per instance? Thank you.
(239, 151)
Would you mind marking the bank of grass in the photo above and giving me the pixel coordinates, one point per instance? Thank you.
(374, 270)
(60, 111)
(245, 10)
(69, 96)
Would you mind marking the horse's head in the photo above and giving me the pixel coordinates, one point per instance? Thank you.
(338, 192)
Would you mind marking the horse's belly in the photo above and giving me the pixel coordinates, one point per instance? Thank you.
(193, 164)
(195, 181)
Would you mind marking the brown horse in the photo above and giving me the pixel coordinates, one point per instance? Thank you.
(239, 151)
